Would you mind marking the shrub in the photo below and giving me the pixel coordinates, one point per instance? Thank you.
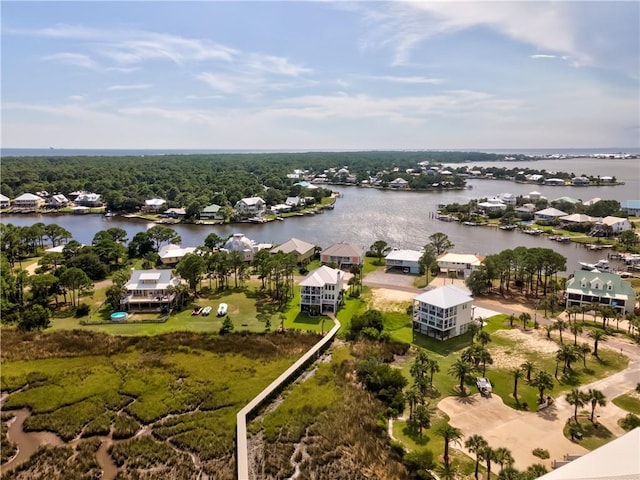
(630, 422)
(82, 310)
(540, 453)
(419, 460)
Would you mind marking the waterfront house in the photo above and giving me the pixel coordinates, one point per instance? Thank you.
(535, 178)
(150, 290)
(631, 207)
(321, 291)
(508, 198)
(617, 224)
(175, 212)
(239, 243)
(600, 287)
(28, 201)
(580, 182)
(399, 183)
(154, 205)
(294, 202)
(492, 205)
(302, 250)
(570, 200)
(250, 207)
(212, 212)
(549, 214)
(342, 254)
(280, 208)
(58, 201)
(555, 182)
(88, 199)
(406, 261)
(578, 218)
(172, 254)
(443, 312)
(606, 179)
(534, 196)
(5, 202)
(461, 263)
(526, 210)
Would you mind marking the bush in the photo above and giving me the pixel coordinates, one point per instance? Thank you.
(630, 422)
(419, 460)
(540, 453)
(82, 310)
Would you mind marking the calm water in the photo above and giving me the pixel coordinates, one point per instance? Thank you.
(402, 219)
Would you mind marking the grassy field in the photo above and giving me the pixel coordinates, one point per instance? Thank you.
(629, 401)
(187, 388)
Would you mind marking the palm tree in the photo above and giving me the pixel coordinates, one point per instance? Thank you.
(524, 318)
(583, 350)
(575, 329)
(542, 381)
(483, 337)
(549, 329)
(576, 398)
(488, 454)
(596, 397)
(474, 444)
(414, 397)
(517, 374)
(503, 457)
(560, 325)
(460, 370)
(597, 336)
(449, 434)
(528, 367)
(422, 417)
(567, 355)
(473, 328)
(434, 367)
(485, 357)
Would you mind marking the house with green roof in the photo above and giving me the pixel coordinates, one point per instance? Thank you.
(607, 289)
(212, 212)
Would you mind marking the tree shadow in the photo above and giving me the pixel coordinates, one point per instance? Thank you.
(412, 432)
(304, 319)
(550, 413)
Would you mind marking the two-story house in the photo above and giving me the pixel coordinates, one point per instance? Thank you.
(461, 263)
(5, 202)
(342, 254)
(88, 199)
(250, 207)
(28, 201)
(150, 290)
(321, 291)
(443, 312)
(303, 251)
(600, 287)
(154, 205)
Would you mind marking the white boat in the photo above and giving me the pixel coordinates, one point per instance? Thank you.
(222, 309)
(601, 265)
(206, 310)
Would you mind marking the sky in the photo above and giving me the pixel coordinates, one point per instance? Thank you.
(320, 75)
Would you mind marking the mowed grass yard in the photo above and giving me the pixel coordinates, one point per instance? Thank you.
(248, 308)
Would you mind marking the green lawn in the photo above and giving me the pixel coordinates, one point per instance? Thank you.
(628, 401)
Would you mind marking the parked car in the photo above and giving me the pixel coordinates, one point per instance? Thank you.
(196, 311)
(222, 309)
(206, 310)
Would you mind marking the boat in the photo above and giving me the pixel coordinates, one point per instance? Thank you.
(601, 265)
(533, 231)
(222, 309)
(206, 310)
(196, 311)
(484, 385)
(507, 228)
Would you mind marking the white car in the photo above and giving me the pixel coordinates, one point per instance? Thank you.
(222, 309)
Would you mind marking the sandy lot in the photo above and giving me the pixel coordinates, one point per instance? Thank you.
(390, 300)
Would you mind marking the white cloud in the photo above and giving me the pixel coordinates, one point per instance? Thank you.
(405, 80)
(540, 55)
(75, 59)
(139, 86)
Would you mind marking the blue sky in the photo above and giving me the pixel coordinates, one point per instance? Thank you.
(320, 75)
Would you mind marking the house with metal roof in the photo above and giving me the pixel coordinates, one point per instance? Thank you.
(398, 184)
(321, 291)
(407, 261)
(154, 205)
(5, 202)
(617, 224)
(342, 254)
(212, 211)
(28, 201)
(250, 207)
(443, 312)
(150, 290)
(88, 199)
(461, 263)
(631, 207)
(172, 254)
(302, 250)
(549, 214)
(607, 289)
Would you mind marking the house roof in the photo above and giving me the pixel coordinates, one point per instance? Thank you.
(467, 258)
(444, 297)
(400, 180)
(294, 245)
(211, 208)
(571, 200)
(631, 204)
(404, 255)
(578, 218)
(4, 198)
(343, 249)
(155, 202)
(174, 251)
(252, 200)
(177, 211)
(88, 197)
(551, 212)
(613, 220)
(321, 277)
(28, 197)
(616, 460)
(161, 279)
(60, 198)
(621, 288)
